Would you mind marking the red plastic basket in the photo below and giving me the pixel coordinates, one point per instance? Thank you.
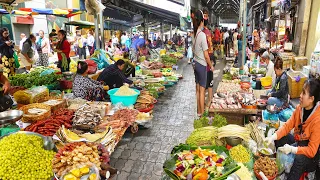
(147, 109)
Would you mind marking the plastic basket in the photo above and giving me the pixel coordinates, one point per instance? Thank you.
(125, 100)
(266, 81)
(295, 88)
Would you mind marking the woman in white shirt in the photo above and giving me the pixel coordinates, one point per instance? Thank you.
(270, 66)
(201, 60)
(90, 42)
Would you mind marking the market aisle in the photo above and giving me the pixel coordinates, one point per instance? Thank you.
(141, 156)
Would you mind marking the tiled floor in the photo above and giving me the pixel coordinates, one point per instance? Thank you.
(141, 156)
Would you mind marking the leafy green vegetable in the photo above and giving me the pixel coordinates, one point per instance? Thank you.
(168, 60)
(219, 121)
(34, 79)
(204, 121)
(201, 122)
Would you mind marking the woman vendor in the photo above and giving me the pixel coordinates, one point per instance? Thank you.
(270, 66)
(304, 143)
(113, 75)
(63, 49)
(279, 93)
(85, 87)
(129, 67)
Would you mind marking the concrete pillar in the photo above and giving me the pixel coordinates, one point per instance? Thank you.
(96, 31)
(161, 31)
(244, 32)
(170, 31)
(303, 25)
(101, 28)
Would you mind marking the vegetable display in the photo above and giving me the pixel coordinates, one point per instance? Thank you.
(169, 60)
(22, 157)
(240, 154)
(205, 136)
(201, 163)
(204, 121)
(34, 79)
(234, 130)
(50, 126)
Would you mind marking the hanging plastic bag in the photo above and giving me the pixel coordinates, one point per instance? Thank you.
(284, 161)
(16, 60)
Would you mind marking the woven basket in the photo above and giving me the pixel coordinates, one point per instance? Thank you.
(32, 118)
(62, 104)
(295, 88)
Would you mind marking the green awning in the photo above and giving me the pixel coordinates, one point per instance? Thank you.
(82, 24)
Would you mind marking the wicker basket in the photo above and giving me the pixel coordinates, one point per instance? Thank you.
(32, 118)
(62, 104)
(295, 88)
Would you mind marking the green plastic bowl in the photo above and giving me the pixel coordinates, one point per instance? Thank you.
(125, 100)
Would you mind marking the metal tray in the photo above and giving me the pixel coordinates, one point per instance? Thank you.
(10, 117)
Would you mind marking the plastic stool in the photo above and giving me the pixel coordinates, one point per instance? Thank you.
(303, 176)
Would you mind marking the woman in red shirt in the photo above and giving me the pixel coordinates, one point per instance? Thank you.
(63, 50)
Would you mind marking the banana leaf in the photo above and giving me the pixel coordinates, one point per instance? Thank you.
(170, 165)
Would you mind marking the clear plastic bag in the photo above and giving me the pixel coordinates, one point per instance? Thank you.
(284, 161)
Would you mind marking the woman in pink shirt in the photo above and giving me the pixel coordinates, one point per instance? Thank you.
(43, 45)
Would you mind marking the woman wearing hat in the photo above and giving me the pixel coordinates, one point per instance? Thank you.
(201, 60)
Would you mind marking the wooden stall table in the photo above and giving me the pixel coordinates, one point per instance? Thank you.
(234, 116)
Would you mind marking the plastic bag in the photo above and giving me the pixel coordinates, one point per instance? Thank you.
(285, 114)
(284, 161)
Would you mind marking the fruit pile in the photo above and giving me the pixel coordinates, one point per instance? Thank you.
(22, 157)
(83, 172)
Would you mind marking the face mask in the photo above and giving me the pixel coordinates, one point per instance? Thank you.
(206, 21)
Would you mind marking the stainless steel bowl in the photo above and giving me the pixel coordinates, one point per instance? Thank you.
(10, 117)
(48, 143)
(233, 141)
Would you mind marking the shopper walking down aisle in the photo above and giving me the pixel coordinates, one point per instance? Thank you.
(235, 42)
(90, 42)
(6, 53)
(226, 42)
(27, 54)
(63, 50)
(209, 37)
(201, 60)
(23, 39)
(43, 46)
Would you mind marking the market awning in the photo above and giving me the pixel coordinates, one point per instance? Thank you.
(82, 24)
(56, 12)
(17, 12)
